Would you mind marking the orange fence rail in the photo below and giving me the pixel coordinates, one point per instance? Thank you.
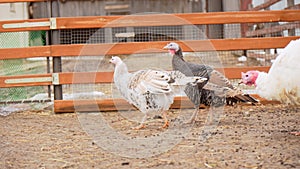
(140, 47)
(14, 1)
(150, 20)
(92, 77)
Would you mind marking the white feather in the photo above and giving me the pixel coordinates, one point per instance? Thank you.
(134, 86)
(282, 83)
(242, 59)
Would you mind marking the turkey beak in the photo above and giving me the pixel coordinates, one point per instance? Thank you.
(241, 82)
(166, 47)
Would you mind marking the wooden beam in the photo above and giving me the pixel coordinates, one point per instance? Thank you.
(93, 77)
(85, 77)
(156, 47)
(13, 1)
(27, 52)
(236, 44)
(273, 29)
(26, 80)
(144, 47)
(264, 5)
(107, 77)
(235, 72)
(160, 20)
(25, 25)
(178, 19)
(71, 106)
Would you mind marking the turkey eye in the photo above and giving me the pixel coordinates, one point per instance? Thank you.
(247, 75)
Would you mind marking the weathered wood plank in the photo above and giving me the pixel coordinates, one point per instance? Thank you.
(144, 47)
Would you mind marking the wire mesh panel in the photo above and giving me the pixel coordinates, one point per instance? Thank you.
(12, 67)
(218, 59)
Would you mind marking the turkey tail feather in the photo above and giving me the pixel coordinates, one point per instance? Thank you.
(245, 98)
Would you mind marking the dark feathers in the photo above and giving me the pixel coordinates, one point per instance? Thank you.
(216, 91)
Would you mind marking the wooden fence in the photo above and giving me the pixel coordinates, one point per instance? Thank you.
(60, 78)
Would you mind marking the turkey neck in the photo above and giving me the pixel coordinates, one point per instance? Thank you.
(121, 78)
(178, 63)
(178, 60)
(121, 69)
(121, 74)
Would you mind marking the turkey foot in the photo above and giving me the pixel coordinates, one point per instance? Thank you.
(141, 126)
(166, 125)
(297, 133)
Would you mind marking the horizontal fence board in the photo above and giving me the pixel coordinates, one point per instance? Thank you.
(178, 19)
(85, 77)
(21, 25)
(162, 20)
(235, 72)
(102, 77)
(107, 77)
(4, 80)
(13, 1)
(27, 52)
(144, 47)
(70, 106)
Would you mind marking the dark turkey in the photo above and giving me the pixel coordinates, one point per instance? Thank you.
(216, 91)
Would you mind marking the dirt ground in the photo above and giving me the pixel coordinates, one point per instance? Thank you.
(246, 137)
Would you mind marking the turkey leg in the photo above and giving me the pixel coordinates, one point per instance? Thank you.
(166, 125)
(142, 125)
(194, 115)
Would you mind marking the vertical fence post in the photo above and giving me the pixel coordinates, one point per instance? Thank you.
(55, 39)
(291, 32)
(48, 42)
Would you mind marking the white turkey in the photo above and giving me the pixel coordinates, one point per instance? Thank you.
(149, 90)
(216, 91)
(282, 82)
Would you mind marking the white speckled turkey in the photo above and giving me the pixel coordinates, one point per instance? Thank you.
(150, 90)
